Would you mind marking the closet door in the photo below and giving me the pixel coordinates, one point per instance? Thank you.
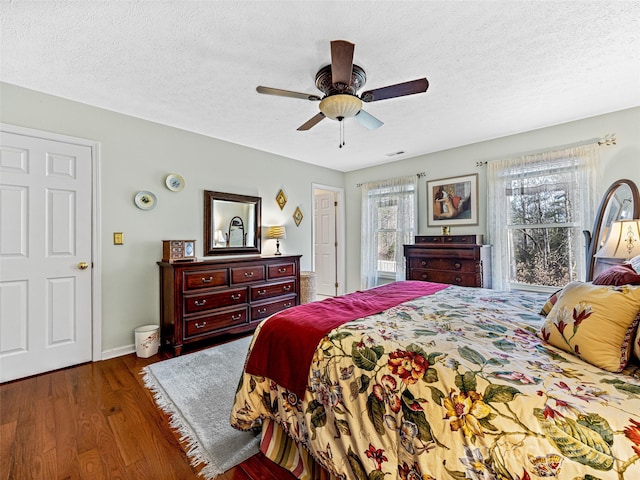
(45, 255)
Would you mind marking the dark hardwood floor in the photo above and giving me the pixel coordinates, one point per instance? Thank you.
(98, 421)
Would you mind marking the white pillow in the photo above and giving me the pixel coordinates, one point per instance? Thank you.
(635, 263)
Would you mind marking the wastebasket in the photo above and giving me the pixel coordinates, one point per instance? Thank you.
(147, 340)
(307, 287)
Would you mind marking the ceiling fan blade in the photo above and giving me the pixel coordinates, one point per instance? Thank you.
(397, 90)
(287, 93)
(367, 120)
(311, 122)
(341, 61)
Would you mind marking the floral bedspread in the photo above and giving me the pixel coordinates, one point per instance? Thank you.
(451, 386)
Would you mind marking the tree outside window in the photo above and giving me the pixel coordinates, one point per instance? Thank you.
(537, 207)
(388, 222)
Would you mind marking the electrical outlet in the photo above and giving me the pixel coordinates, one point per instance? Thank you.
(118, 238)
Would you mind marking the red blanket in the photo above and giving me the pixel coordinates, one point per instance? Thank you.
(287, 341)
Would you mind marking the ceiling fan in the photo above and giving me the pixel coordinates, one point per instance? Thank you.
(339, 82)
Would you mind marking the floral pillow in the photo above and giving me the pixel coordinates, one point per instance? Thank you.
(622, 274)
(595, 322)
(546, 308)
(636, 345)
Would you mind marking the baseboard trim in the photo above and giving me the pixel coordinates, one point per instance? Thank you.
(118, 352)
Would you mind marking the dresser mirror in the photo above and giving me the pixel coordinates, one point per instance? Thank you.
(231, 223)
(621, 201)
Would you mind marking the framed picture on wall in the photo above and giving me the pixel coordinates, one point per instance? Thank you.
(452, 201)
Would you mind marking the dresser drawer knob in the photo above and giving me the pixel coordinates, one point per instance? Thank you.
(424, 276)
(457, 265)
(424, 263)
(286, 288)
(458, 280)
(200, 303)
(287, 305)
(248, 274)
(207, 280)
(262, 310)
(200, 325)
(282, 270)
(262, 292)
(236, 296)
(236, 317)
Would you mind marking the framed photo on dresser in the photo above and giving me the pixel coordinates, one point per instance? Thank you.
(452, 201)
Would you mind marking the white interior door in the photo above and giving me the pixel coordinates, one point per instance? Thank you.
(325, 242)
(45, 242)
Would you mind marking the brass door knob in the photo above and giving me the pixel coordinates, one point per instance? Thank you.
(83, 265)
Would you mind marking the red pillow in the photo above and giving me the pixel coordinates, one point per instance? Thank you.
(622, 274)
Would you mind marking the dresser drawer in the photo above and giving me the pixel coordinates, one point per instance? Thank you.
(441, 252)
(281, 270)
(453, 278)
(215, 322)
(206, 279)
(260, 292)
(265, 309)
(449, 239)
(207, 301)
(450, 264)
(253, 273)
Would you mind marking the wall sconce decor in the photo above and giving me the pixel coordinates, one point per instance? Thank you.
(297, 216)
(281, 198)
(277, 232)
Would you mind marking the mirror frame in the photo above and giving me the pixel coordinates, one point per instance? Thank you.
(591, 238)
(209, 231)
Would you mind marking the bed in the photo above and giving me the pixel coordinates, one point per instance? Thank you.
(421, 381)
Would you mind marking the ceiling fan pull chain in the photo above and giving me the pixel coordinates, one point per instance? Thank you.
(341, 132)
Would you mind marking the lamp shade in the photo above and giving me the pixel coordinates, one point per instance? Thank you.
(340, 106)
(276, 232)
(623, 240)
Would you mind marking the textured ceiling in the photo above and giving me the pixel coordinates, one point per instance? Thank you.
(495, 67)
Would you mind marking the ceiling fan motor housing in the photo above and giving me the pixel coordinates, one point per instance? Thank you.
(325, 85)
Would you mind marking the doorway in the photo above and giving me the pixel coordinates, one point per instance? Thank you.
(47, 252)
(328, 240)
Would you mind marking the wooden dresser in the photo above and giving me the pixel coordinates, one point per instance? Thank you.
(200, 301)
(455, 259)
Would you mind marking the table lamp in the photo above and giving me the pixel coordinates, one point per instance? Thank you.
(277, 232)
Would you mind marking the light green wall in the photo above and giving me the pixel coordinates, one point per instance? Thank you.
(137, 155)
(617, 161)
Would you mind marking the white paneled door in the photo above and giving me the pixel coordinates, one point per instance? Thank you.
(325, 242)
(45, 255)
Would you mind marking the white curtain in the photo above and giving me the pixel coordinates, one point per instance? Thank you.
(400, 192)
(581, 161)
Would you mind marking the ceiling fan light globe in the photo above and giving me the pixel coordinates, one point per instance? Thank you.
(340, 105)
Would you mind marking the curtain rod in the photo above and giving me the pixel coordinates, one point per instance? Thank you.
(419, 175)
(608, 139)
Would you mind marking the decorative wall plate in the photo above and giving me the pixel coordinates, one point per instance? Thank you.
(174, 182)
(281, 198)
(145, 200)
(297, 216)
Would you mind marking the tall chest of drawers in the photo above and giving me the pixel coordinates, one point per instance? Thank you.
(203, 301)
(455, 259)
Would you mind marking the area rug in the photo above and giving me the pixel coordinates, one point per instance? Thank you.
(196, 390)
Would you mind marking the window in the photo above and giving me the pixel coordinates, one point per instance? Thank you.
(388, 222)
(538, 206)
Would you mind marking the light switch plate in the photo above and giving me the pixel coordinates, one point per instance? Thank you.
(118, 238)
